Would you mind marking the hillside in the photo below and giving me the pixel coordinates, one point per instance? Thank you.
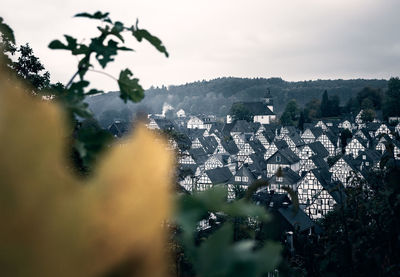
(216, 96)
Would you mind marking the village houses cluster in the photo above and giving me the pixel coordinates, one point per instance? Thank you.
(313, 162)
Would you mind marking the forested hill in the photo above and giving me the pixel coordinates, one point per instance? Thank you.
(216, 96)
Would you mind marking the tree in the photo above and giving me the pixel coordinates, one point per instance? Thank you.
(290, 114)
(292, 109)
(333, 107)
(324, 109)
(368, 115)
(301, 122)
(312, 110)
(27, 66)
(374, 97)
(240, 112)
(286, 119)
(392, 98)
(344, 136)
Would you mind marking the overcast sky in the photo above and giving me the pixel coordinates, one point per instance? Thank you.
(292, 39)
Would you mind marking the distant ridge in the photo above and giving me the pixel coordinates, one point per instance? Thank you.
(216, 96)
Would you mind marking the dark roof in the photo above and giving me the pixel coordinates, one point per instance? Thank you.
(164, 124)
(244, 171)
(119, 128)
(319, 149)
(288, 175)
(194, 133)
(230, 146)
(295, 137)
(316, 131)
(296, 219)
(198, 155)
(241, 126)
(281, 144)
(319, 162)
(257, 108)
(257, 146)
(219, 175)
(287, 154)
(209, 144)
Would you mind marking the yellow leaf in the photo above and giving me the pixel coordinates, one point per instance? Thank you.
(55, 224)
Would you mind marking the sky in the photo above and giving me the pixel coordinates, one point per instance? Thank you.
(292, 39)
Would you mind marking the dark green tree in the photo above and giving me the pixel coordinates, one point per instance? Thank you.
(392, 98)
(312, 110)
(373, 95)
(324, 109)
(368, 115)
(286, 119)
(27, 66)
(301, 122)
(290, 115)
(344, 136)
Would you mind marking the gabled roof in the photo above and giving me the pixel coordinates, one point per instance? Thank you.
(198, 155)
(195, 133)
(323, 176)
(287, 155)
(219, 175)
(257, 146)
(319, 162)
(281, 144)
(257, 108)
(119, 128)
(297, 220)
(164, 124)
(244, 171)
(230, 146)
(258, 167)
(316, 131)
(319, 149)
(241, 126)
(209, 144)
(216, 127)
(288, 175)
(295, 137)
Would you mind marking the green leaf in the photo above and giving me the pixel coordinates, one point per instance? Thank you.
(56, 44)
(123, 48)
(96, 15)
(71, 44)
(141, 34)
(104, 53)
(130, 89)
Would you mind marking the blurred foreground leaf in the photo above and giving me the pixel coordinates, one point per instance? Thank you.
(54, 224)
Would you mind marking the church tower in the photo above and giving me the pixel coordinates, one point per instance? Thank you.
(268, 100)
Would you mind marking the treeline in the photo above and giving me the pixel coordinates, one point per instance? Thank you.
(217, 96)
(371, 100)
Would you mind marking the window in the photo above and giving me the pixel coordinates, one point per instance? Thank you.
(279, 179)
(310, 182)
(278, 158)
(238, 178)
(364, 157)
(367, 163)
(245, 179)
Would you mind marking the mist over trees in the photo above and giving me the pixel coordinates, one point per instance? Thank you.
(217, 96)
